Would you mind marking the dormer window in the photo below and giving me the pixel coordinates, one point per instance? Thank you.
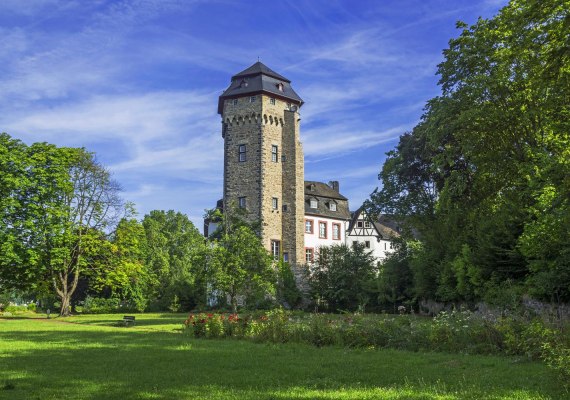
(332, 206)
(312, 187)
(280, 87)
(314, 203)
(243, 83)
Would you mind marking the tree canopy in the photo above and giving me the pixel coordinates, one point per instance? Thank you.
(485, 176)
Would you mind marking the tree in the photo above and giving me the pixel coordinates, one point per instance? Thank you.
(57, 203)
(175, 259)
(484, 176)
(240, 266)
(341, 277)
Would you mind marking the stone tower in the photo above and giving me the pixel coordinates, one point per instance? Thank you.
(263, 157)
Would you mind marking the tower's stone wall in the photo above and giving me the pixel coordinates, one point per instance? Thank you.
(260, 125)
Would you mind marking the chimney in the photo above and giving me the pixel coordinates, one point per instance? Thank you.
(334, 185)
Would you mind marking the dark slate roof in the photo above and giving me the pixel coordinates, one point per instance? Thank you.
(260, 68)
(258, 79)
(386, 226)
(325, 194)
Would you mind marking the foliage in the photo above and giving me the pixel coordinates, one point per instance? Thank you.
(56, 204)
(288, 293)
(340, 277)
(240, 266)
(483, 178)
(175, 260)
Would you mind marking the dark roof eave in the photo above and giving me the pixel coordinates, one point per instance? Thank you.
(235, 96)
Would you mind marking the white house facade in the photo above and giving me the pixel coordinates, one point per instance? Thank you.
(376, 236)
(326, 217)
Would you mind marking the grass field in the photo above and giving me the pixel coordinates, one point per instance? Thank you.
(86, 357)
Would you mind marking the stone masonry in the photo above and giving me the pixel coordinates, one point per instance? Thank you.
(262, 121)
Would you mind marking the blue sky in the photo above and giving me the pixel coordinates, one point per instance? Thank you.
(137, 82)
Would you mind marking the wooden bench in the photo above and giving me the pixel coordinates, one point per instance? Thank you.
(128, 320)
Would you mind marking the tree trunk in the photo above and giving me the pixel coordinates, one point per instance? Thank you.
(65, 304)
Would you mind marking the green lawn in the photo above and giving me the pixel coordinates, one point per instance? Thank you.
(86, 358)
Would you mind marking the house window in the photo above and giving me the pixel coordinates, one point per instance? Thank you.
(322, 230)
(367, 244)
(272, 101)
(241, 202)
(285, 256)
(275, 203)
(314, 203)
(241, 153)
(336, 231)
(391, 246)
(332, 206)
(354, 244)
(275, 248)
(252, 99)
(367, 224)
(359, 224)
(309, 226)
(274, 153)
(235, 102)
(309, 255)
(284, 207)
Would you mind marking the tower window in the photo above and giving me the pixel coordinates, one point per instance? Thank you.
(314, 203)
(272, 101)
(275, 203)
(241, 202)
(276, 248)
(285, 256)
(242, 152)
(252, 99)
(274, 153)
(322, 230)
(235, 102)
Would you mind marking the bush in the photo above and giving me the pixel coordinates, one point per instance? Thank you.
(456, 331)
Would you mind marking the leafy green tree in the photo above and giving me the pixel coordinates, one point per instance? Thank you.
(56, 204)
(121, 266)
(483, 177)
(175, 258)
(240, 266)
(341, 277)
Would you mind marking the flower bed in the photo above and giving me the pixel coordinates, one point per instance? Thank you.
(457, 332)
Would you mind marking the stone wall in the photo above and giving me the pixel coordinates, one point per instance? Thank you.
(260, 125)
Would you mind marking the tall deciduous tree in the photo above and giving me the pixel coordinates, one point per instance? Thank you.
(484, 176)
(341, 276)
(56, 203)
(240, 266)
(175, 259)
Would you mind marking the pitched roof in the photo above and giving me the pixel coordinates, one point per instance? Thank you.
(325, 195)
(386, 226)
(322, 189)
(259, 79)
(260, 68)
